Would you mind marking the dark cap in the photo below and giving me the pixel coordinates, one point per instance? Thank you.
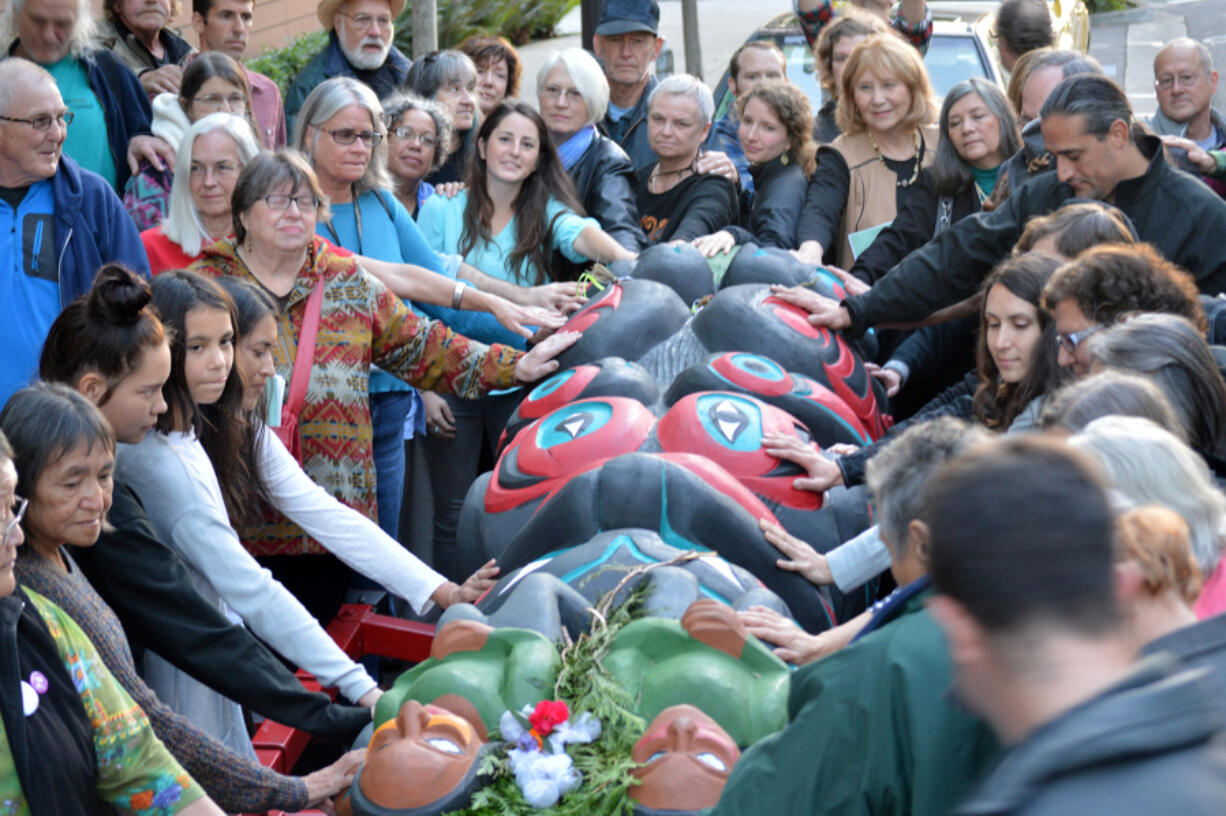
(627, 16)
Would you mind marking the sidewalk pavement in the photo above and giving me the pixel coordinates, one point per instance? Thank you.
(1125, 42)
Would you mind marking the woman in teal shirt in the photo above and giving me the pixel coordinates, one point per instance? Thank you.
(519, 207)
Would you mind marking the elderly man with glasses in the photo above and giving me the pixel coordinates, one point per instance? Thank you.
(360, 36)
(1185, 83)
(60, 223)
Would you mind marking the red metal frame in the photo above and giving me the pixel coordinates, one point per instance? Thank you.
(359, 632)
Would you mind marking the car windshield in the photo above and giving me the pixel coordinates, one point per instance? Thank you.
(950, 60)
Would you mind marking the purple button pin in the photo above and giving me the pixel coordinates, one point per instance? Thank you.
(39, 681)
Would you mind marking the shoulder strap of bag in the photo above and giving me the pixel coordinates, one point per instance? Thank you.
(305, 357)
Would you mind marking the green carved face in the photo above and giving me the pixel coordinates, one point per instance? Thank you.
(514, 668)
(661, 666)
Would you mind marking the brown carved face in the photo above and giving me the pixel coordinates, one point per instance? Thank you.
(419, 757)
(686, 759)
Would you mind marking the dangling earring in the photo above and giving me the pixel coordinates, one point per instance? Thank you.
(784, 160)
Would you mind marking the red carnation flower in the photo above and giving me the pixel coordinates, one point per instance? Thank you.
(546, 715)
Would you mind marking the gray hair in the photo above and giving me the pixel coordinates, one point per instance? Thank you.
(46, 421)
(1149, 465)
(686, 85)
(899, 475)
(950, 172)
(1202, 52)
(587, 75)
(401, 102)
(329, 98)
(1174, 354)
(183, 224)
(14, 68)
(1109, 393)
(437, 68)
(1070, 63)
(83, 32)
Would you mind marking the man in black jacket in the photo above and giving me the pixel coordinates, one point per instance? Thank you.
(1100, 152)
(1021, 554)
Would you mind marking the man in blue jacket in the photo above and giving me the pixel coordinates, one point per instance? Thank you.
(105, 96)
(58, 222)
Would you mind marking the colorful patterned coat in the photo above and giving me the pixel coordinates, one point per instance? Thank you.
(361, 323)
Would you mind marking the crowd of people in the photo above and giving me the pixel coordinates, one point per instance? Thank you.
(245, 339)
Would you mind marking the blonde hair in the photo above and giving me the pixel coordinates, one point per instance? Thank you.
(1158, 541)
(886, 55)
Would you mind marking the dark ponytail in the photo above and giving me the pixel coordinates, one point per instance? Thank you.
(105, 330)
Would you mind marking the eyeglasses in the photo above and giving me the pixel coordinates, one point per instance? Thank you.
(221, 169)
(363, 21)
(1184, 80)
(405, 134)
(41, 123)
(18, 510)
(1069, 342)
(234, 101)
(556, 92)
(279, 202)
(347, 136)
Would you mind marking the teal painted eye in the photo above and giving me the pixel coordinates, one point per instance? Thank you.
(759, 367)
(733, 422)
(552, 384)
(572, 422)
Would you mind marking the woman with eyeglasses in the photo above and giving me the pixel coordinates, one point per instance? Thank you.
(358, 321)
(573, 95)
(340, 129)
(211, 155)
(417, 130)
(213, 83)
(72, 737)
(449, 77)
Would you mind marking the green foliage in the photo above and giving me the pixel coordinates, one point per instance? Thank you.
(1095, 6)
(517, 20)
(605, 763)
(281, 65)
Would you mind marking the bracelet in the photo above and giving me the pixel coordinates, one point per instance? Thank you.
(458, 295)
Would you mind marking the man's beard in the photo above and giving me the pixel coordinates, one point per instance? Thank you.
(364, 60)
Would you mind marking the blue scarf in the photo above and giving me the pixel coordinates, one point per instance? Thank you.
(573, 148)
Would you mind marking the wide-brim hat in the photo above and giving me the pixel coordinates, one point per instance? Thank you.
(326, 10)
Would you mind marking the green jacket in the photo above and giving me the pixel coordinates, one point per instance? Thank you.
(871, 733)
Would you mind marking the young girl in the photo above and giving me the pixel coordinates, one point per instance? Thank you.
(187, 500)
(345, 532)
(519, 206)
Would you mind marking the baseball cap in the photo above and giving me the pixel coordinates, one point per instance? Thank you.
(627, 16)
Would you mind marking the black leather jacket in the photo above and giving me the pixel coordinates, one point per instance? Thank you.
(608, 191)
(778, 199)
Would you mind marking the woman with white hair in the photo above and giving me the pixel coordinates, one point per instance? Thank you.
(340, 129)
(572, 95)
(211, 155)
(676, 202)
(1148, 465)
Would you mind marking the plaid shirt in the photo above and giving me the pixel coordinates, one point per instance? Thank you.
(812, 22)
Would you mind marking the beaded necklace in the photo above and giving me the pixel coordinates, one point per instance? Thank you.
(877, 150)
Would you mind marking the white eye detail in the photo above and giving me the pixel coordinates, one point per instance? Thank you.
(655, 756)
(444, 745)
(712, 761)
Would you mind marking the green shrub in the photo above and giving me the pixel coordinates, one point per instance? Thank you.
(281, 65)
(1096, 6)
(518, 20)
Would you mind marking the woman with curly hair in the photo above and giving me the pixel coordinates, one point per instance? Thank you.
(776, 135)
(498, 69)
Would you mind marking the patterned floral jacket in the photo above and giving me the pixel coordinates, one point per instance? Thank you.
(361, 323)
